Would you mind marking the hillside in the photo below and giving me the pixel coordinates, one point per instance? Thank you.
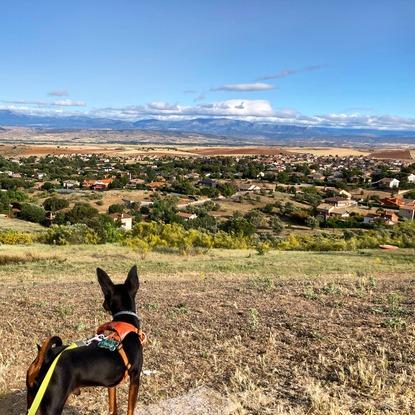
(284, 333)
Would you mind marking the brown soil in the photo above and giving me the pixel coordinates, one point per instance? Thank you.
(228, 151)
(392, 154)
(270, 344)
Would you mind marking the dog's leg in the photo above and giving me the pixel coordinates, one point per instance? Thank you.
(112, 398)
(132, 396)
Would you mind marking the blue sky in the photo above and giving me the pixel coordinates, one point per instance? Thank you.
(323, 62)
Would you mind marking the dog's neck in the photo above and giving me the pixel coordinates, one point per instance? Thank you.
(128, 317)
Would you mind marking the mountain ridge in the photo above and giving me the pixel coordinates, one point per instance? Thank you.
(225, 127)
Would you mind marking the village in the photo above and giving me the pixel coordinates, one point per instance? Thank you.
(276, 193)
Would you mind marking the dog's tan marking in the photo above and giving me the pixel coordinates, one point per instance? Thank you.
(34, 368)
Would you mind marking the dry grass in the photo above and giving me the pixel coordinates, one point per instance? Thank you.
(284, 333)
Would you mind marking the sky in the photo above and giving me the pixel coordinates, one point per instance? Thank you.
(321, 62)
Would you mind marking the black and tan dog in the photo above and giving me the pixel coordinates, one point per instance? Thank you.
(91, 365)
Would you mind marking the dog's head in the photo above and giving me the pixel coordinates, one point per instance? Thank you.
(119, 297)
(45, 355)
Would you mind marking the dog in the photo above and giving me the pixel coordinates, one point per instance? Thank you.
(90, 364)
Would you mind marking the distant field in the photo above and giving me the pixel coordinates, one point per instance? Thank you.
(393, 154)
(19, 225)
(284, 333)
(329, 151)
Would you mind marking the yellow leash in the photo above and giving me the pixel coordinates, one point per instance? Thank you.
(41, 392)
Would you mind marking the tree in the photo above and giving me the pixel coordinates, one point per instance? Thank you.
(228, 189)
(48, 186)
(238, 225)
(312, 222)
(256, 218)
(81, 213)
(277, 224)
(32, 213)
(164, 210)
(116, 208)
(54, 204)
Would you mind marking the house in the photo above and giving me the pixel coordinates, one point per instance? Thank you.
(133, 183)
(339, 201)
(247, 187)
(392, 202)
(326, 210)
(388, 218)
(209, 183)
(125, 220)
(411, 178)
(407, 211)
(187, 216)
(155, 185)
(388, 182)
(71, 184)
(346, 194)
(316, 176)
(101, 184)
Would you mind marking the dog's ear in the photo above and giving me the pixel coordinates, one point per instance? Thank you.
(44, 355)
(131, 283)
(54, 342)
(105, 282)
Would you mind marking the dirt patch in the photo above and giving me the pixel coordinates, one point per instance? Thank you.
(304, 346)
(392, 154)
(199, 401)
(241, 151)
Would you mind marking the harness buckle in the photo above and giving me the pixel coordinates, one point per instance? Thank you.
(97, 338)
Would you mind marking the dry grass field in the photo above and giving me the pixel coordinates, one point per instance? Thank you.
(283, 333)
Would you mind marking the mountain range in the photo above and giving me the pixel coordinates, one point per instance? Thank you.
(224, 127)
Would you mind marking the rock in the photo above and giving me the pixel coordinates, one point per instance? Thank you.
(198, 401)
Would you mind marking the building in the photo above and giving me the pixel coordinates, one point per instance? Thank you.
(411, 178)
(71, 184)
(388, 182)
(125, 220)
(407, 211)
(339, 201)
(187, 216)
(388, 218)
(392, 202)
(326, 210)
(101, 184)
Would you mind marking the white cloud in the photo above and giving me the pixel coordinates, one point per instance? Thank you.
(255, 86)
(288, 72)
(58, 93)
(162, 106)
(69, 103)
(244, 109)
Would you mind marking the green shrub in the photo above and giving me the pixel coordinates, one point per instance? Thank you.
(70, 235)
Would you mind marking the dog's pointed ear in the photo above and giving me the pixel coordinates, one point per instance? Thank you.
(131, 283)
(45, 355)
(105, 282)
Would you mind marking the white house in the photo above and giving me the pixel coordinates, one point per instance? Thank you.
(389, 182)
(125, 220)
(411, 178)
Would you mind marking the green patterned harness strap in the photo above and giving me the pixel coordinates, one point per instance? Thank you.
(45, 382)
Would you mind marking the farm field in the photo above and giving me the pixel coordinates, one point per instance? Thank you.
(282, 333)
(27, 149)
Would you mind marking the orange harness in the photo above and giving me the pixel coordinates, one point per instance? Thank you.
(118, 330)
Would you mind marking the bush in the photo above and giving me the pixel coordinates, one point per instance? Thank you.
(70, 235)
(11, 237)
(116, 208)
(32, 213)
(54, 204)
